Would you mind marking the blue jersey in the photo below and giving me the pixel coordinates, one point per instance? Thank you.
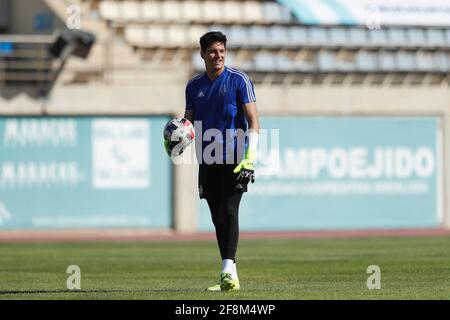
(219, 104)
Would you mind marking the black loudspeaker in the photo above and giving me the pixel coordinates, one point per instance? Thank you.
(81, 40)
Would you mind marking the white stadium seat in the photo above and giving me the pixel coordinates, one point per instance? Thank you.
(424, 61)
(257, 36)
(357, 37)
(156, 35)
(278, 36)
(338, 37)
(177, 36)
(212, 11)
(151, 10)
(238, 36)
(110, 10)
(264, 62)
(192, 11)
(396, 38)
(135, 34)
(387, 61)
(272, 12)
(253, 12)
(326, 61)
(284, 64)
(377, 38)
(415, 37)
(366, 61)
(131, 10)
(232, 12)
(435, 37)
(147, 36)
(441, 62)
(171, 11)
(298, 36)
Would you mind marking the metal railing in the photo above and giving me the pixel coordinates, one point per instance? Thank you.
(25, 61)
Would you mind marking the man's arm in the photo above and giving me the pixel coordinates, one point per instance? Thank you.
(189, 114)
(251, 114)
(245, 168)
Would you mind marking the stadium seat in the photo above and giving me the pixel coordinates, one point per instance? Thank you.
(326, 61)
(238, 36)
(377, 38)
(272, 12)
(337, 37)
(357, 37)
(386, 61)
(157, 35)
(441, 62)
(396, 37)
(131, 10)
(447, 38)
(191, 11)
(177, 36)
(435, 37)
(171, 11)
(298, 36)
(257, 36)
(147, 36)
(135, 35)
(253, 12)
(212, 11)
(424, 61)
(415, 37)
(232, 12)
(151, 11)
(264, 62)
(110, 10)
(278, 36)
(317, 36)
(366, 61)
(405, 61)
(284, 64)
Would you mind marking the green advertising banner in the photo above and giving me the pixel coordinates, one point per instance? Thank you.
(317, 173)
(83, 172)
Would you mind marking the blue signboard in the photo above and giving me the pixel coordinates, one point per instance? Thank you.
(317, 173)
(79, 172)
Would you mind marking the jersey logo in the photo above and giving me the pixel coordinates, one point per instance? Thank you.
(200, 94)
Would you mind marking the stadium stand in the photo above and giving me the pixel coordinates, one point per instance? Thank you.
(264, 37)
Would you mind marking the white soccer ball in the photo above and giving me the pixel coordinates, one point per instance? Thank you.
(179, 134)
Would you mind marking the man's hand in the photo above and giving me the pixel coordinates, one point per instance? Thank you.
(246, 170)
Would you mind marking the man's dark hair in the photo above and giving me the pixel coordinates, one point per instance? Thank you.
(210, 37)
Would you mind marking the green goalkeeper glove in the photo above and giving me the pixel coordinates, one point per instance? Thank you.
(246, 169)
(166, 147)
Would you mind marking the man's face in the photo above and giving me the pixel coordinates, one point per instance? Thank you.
(214, 56)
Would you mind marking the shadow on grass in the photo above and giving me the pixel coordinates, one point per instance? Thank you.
(4, 292)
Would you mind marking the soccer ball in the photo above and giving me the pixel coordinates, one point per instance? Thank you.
(178, 135)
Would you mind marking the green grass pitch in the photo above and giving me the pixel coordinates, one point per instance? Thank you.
(411, 268)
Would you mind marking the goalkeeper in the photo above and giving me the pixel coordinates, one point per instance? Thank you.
(223, 99)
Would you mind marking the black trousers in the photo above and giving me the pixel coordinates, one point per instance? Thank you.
(217, 185)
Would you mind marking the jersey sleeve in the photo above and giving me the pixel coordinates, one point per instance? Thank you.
(189, 101)
(245, 91)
